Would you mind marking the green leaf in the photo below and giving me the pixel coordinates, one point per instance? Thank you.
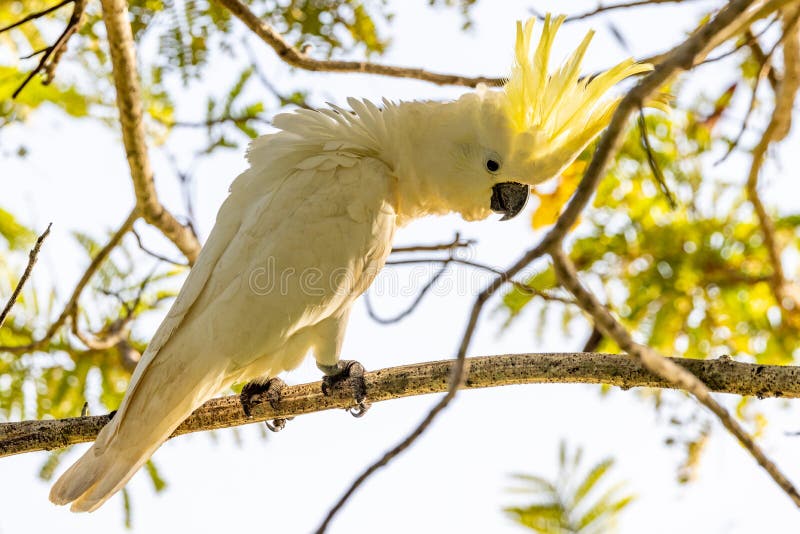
(51, 464)
(17, 235)
(127, 513)
(35, 94)
(158, 483)
(591, 480)
(557, 508)
(604, 510)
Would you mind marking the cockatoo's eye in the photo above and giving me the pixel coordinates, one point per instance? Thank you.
(492, 165)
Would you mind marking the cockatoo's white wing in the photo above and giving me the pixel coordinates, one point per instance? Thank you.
(298, 239)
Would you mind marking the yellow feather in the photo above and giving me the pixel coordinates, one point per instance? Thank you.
(561, 111)
(564, 83)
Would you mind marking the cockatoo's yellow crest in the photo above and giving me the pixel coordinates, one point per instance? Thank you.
(561, 111)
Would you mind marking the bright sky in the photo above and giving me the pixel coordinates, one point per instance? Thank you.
(455, 478)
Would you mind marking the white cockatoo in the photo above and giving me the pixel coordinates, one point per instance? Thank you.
(308, 226)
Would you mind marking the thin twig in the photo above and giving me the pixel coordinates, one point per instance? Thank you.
(52, 55)
(117, 332)
(761, 58)
(457, 379)
(450, 247)
(625, 5)
(456, 243)
(32, 256)
(186, 179)
(213, 121)
(298, 58)
(153, 254)
(675, 374)
(36, 15)
(413, 306)
(36, 53)
(750, 39)
(651, 161)
(763, 71)
(72, 303)
(521, 286)
(749, 113)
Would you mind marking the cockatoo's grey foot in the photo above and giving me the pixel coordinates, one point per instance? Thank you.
(251, 396)
(342, 371)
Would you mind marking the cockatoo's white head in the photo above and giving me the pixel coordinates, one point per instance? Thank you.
(480, 153)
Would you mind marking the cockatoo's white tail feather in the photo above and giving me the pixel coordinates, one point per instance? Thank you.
(96, 477)
(163, 396)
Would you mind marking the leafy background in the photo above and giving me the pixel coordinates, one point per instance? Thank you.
(690, 280)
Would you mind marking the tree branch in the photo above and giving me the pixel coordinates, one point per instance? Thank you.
(129, 102)
(297, 58)
(32, 255)
(262, 77)
(625, 5)
(722, 375)
(672, 372)
(761, 57)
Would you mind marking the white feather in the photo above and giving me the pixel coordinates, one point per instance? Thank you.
(328, 212)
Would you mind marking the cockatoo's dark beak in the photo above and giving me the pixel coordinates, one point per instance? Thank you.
(509, 198)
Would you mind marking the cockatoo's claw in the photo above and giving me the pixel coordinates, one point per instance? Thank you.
(276, 425)
(359, 410)
(272, 388)
(342, 371)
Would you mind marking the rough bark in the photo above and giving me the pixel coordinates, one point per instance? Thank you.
(722, 375)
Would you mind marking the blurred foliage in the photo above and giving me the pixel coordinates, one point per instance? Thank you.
(57, 379)
(67, 98)
(16, 235)
(576, 502)
(694, 280)
(463, 5)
